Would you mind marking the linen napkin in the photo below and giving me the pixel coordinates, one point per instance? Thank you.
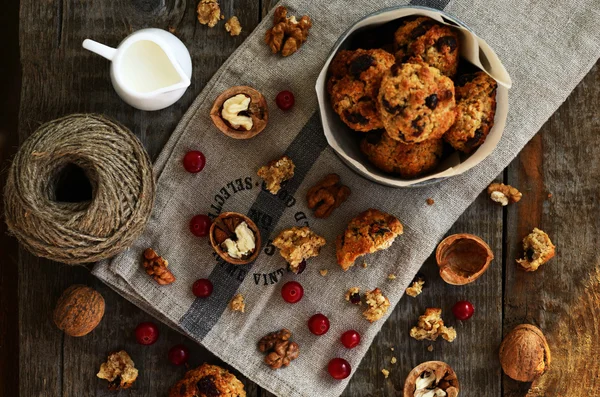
(547, 48)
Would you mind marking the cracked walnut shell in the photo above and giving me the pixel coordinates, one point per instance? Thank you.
(257, 111)
(463, 258)
(431, 376)
(156, 266)
(279, 348)
(223, 228)
(524, 353)
(287, 34)
(327, 195)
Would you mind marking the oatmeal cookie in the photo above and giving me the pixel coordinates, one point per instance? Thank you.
(475, 111)
(395, 157)
(353, 85)
(416, 103)
(208, 381)
(426, 40)
(276, 172)
(538, 250)
(370, 231)
(297, 244)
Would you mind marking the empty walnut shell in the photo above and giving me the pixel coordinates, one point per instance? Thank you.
(223, 227)
(445, 378)
(463, 258)
(524, 353)
(257, 111)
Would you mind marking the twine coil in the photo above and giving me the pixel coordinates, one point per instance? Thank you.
(122, 190)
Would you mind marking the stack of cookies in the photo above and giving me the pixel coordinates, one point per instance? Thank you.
(413, 106)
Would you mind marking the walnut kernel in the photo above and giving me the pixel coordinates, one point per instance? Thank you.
(209, 12)
(280, 350)
(287, 34)
(503, 194)
(327, 195)
(237, 303)
(156, 266)
(233, 26)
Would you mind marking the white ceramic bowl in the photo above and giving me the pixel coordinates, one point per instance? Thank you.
(345, 142)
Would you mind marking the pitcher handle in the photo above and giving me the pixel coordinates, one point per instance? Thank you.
(100, 49)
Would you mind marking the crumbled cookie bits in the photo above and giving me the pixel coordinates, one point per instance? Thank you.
(237, 303)
(385, 373)
(377, 304)
(430, 201)
(431, 326)
(416, 287)
(323, 272)
(394, 360)
(233, 26)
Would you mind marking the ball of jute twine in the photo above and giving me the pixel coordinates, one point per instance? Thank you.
(119, 172)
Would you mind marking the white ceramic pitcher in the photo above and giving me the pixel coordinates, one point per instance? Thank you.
(150, 70)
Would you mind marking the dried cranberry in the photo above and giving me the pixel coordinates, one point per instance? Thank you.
(179, 354)
(285, 100)
(431, 101)
(360, 64)
(146, 333)
(318, 324)
(464, 79)
(355, 298)
(350, 339)
(339, 368)
(374, 137)
(392, 109)
(446, 41)
(421, 29)
(194, 161)
(292, 292)
(206, 386)
(418, 127)
(301, 267)
(356, 118)
(463, 310)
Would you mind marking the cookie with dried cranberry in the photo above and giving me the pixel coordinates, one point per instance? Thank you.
(416, 103)
(368, 232)
(395, 157)
(353, 86)
(208, 381)
(475, 111)
(434, 43)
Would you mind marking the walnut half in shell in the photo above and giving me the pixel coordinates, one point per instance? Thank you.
(431, 376)
(463, 258)
(240, 112)
(235, 238)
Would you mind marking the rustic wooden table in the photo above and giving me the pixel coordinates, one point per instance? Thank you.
(558, 173)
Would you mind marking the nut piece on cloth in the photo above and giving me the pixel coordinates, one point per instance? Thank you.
(524, 353)
(233, 26)
(276, 172)
(431, 325)
(287, 33)
(431, 378)
(208, 381)
(240, 112)
(297, 244)
(503, 194)
(279, 348)
(79, 310)
(118, 370)
(156, 266)
(327, 195)
(368, 232)
(377, 305)
(538, 249)
(209, 12)
(235, 238)
(237, 303)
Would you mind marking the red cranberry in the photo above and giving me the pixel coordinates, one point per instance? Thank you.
(194, 161)
(202, 288)
(463, 310)
(292, 292)
(318, 324)
(339, 368)
(200, 225)
(285, 100)
(350, 339)
(355, 298)
(146, 333)
(179, 354)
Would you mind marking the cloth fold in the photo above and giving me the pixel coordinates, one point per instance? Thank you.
(547, 47)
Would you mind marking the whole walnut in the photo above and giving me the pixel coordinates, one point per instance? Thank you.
(524, 353)
(79, 310)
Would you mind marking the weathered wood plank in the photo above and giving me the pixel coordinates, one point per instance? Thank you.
(563, 159)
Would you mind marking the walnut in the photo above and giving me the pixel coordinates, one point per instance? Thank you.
(237, 303)
(287, 34)
(503, 194)
(431, 326)
(353, 295)
(156, 266)
(377, 305)
(296, 245)
(524, 353)
(538, 249)
(233, 26)
(431, 378)
(327, 195)
(118, 370)
(276, 172)
(279, 348)
(209, 12)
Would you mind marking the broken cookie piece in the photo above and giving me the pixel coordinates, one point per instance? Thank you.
(503, 194)
(276, 172)
(208, 381)
(416, 287)
(377, 305)
(296, 245)
(538, 249)
(119, 370)
(233, 26)
(237, 303)
(287, 34)
(430, 326)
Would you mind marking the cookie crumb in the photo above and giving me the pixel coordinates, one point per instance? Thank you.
(377, 304)
(430, 201)
(393, 360)
(538, 249)
(430, 348)
(237, 303)
(353, 295)
(549, 195)
(364, 265)
(391, 348)
(385, 373)
(233, 26)
(391, 276)
(323, 272)
(415, 288)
